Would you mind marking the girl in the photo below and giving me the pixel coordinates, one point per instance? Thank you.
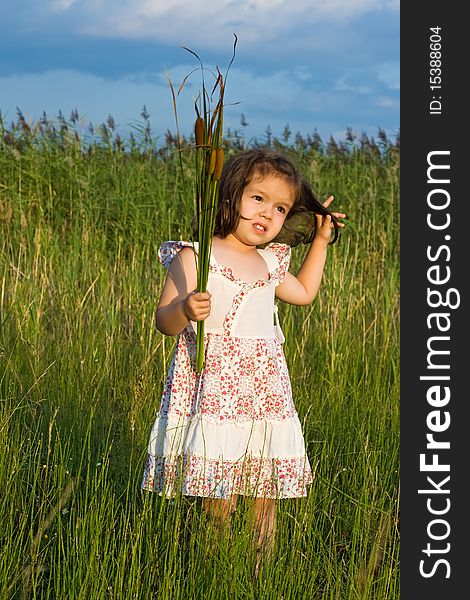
(234, 428)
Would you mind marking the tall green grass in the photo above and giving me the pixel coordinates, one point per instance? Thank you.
(82, 368)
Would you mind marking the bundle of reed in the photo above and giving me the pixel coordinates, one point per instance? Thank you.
(209, 160)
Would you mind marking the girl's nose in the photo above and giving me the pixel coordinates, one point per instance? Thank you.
(266, 212)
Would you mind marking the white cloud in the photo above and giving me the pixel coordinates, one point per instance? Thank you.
(365, 80)
(353, 83)
(389, 73)
(62, 5)
(209, 24)
(387, 102)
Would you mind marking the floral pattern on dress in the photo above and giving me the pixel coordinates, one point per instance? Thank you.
(283, 255)
(168, 251)
(219, 478)
(243, 379)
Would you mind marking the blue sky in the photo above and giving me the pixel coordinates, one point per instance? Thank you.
(322, 65)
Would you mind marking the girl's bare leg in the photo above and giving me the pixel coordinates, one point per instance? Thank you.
(220, 509)
(265, 529)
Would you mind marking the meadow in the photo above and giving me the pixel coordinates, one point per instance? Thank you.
(82, 367)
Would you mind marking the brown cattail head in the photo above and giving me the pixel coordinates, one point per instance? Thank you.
(219, 163)
(199, 131)
(213, 161)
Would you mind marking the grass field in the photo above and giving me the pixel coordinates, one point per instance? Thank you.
(82, 368)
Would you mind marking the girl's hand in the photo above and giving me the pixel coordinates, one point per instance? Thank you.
(325, 224)
(197, 306)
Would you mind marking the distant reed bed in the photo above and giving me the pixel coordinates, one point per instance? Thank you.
(82, 368)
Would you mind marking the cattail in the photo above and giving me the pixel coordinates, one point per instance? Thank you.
(219, 164)
(213, 161)
(199, 131)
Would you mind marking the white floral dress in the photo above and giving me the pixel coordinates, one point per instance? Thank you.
(234, 428)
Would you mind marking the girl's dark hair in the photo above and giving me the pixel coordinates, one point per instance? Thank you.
(238, 172)
(300, 224)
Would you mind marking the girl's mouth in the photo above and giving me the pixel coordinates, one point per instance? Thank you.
(259, 228)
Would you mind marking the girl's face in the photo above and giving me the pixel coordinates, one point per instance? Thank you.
(266, 200)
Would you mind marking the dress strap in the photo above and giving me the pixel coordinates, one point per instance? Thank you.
(269, 258)
(281, 254)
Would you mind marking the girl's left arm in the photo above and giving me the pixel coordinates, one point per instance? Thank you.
(302, 288)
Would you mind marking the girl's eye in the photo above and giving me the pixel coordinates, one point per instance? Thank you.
(281, 209)
(257, 198)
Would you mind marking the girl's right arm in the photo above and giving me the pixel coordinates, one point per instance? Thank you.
(179, 302)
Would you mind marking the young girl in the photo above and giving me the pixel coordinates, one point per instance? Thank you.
(234, 428)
